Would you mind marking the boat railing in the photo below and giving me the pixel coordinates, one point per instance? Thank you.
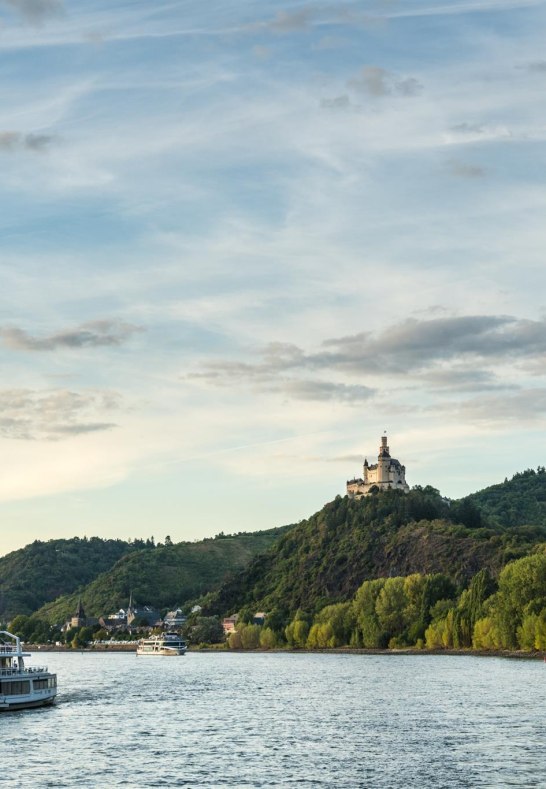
(8, 649)
(9, 672)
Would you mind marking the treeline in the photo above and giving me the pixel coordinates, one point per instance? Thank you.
(422, 611)
(323, 560)
(520, 500)
(40, 572)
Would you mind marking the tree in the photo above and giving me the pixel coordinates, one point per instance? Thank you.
(268, 638)
(206, 630)
(250, 636)
(297, 631)
(366, 616)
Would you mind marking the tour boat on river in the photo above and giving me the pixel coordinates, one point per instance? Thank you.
(164, 644)
(22, 687)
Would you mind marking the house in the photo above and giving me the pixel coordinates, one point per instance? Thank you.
(174, 618)
(229, 624)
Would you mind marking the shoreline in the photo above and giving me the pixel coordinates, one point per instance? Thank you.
(503, 653)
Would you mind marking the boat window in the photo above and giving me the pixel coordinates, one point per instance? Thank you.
(16, 688)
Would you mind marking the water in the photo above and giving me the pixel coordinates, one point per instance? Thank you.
(282, 720)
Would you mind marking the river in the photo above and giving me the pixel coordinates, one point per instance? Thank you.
(282, 720)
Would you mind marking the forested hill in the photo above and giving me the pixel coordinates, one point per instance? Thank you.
(166, 576)
(31, 576)
(326, 558)
(515, 502)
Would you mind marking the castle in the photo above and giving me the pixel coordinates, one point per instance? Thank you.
(385, 474)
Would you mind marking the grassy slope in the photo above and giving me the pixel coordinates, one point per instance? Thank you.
(165, 576)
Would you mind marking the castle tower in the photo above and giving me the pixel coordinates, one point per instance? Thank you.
(383, 461)
(387, 474)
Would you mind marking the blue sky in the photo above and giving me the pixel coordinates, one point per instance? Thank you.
(240, 240)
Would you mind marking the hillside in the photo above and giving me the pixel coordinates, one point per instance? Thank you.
(166, 576)
(515, 502)
(326, 558)
(40, 572)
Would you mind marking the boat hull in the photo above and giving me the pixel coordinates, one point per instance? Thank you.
(161, 653)
(26, 705)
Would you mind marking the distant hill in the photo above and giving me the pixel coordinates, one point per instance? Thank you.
(324, 559)
(31, 576)
(166, 576)
(515, 502)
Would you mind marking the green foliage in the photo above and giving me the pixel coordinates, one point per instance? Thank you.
(520, 501)
(42, 571)
(325, 559)
(165, 576)
(517, 610)
(268, 638)
(297, 631)
(206, 630)
(33, 630)
(250, 636)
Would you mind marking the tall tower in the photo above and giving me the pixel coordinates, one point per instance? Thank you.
(383, 461)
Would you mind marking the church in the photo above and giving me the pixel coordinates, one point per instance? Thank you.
(386, 474)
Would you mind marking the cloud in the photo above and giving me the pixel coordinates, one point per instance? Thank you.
(289, 21)
(468, 128)
(418, 344)
(337, 103)
(538, 67)
(88, 335)
(406, 348)
(325, 391)
(376, 81)
(53, 414)
(16, 141)
(464, 379)
(464, 170)
(523, 407)
(34, 11)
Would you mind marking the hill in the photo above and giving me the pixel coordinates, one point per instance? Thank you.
(326, 558)
(166, 576)
(40, 572)
(515, 502)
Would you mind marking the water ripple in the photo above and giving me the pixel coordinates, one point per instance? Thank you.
(283, 720)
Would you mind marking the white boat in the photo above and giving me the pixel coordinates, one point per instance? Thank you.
(164, 644)
(22, 687)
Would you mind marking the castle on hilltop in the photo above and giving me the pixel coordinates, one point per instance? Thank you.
(386, 474)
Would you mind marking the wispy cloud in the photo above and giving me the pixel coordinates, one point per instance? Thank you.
(16, 141)
(93, 334)
(377, 81)
(289, 21)
(34, 11)
(405, 348)
(53, 414)
(465, 170)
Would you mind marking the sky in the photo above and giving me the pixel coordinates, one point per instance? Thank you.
(240, 240)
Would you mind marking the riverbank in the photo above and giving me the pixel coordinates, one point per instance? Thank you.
(504, 653)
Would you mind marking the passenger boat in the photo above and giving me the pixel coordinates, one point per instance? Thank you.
(164, 644)
(22, 687)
